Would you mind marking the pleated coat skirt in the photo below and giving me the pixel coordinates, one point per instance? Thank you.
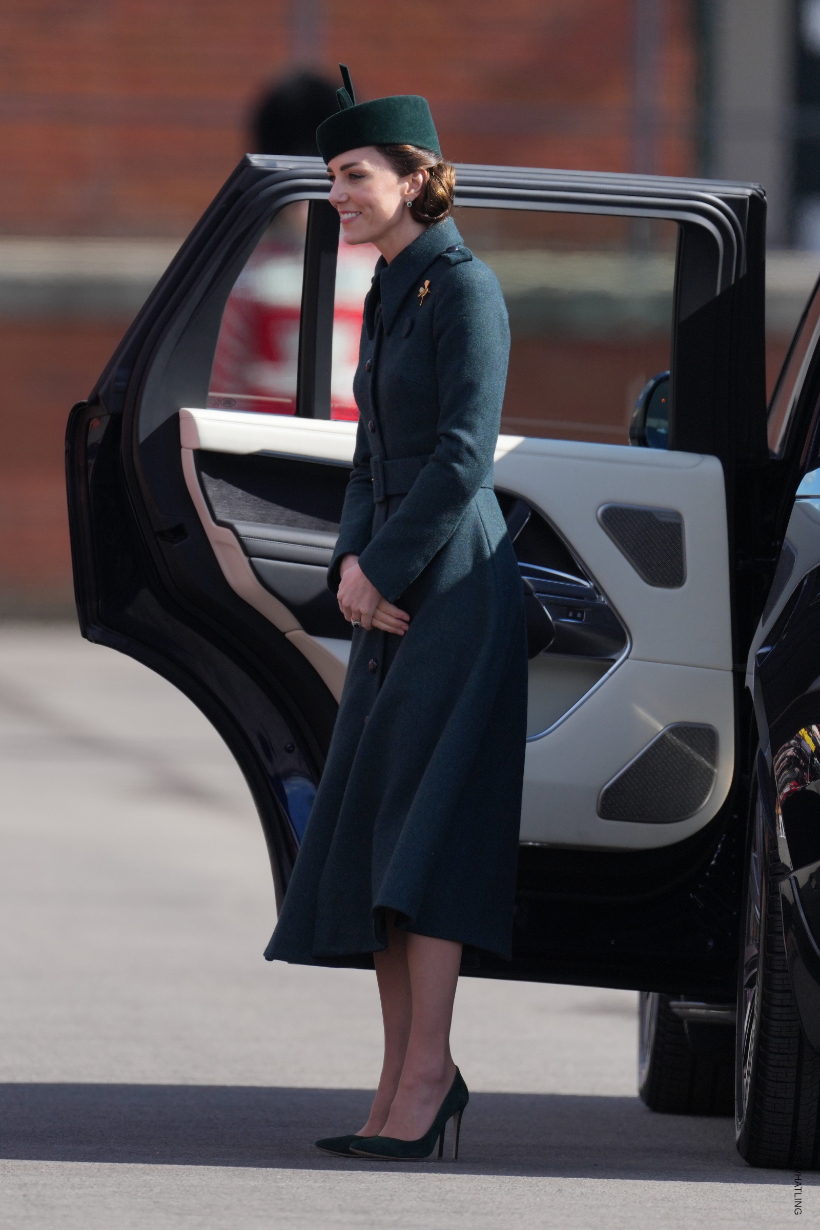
(418, 809)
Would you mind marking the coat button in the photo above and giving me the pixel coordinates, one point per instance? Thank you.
(372, 665)
(368, 366)
(371, 426)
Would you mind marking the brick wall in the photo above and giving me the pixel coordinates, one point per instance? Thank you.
(122, 118)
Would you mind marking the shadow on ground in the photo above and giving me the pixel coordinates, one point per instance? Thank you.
(503, 1133)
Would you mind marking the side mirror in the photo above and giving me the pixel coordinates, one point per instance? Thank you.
(649, 426)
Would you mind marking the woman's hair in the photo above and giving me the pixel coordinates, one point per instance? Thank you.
(435, 201)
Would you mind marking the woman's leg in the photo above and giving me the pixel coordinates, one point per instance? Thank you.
(394, 991)
(428, 1069)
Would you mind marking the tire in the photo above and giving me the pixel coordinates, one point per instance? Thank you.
(683, 1070)
(777, 1095)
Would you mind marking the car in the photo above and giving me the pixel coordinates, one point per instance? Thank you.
(670, 556)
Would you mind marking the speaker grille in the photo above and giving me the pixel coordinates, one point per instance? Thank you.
(782, 575)
(669, 780)
(651, 539)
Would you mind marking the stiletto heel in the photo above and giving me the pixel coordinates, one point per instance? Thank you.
(456, 1133)
(389, 1147)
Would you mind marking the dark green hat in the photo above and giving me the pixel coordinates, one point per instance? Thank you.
(402, 119)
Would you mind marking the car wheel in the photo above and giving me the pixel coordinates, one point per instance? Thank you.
(682, 1070)
(777, 1094)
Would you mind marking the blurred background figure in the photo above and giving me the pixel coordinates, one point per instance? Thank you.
(289, 112)
(119, 122)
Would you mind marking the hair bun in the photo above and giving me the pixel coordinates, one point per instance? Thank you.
(435, 202)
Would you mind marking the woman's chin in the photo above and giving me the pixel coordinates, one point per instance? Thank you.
(352, 235)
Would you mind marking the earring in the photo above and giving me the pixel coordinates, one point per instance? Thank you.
(409, 204)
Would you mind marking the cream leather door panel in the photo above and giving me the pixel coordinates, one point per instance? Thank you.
(627, 751)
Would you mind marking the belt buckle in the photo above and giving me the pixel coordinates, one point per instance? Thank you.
(377, 478)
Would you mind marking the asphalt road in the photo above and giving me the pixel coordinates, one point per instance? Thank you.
(156, 1073)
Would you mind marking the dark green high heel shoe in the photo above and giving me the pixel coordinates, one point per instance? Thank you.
(388, 1147)
(340, 1145)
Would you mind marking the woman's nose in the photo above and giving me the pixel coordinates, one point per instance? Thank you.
(337, 193)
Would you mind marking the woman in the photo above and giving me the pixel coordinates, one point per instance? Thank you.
(410, 852)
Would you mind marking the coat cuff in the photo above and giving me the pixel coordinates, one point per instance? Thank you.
(347, 545)
(369, 562)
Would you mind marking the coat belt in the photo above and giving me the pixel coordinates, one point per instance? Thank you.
(395, 476)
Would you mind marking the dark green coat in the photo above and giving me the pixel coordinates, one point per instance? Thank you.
(419, 806)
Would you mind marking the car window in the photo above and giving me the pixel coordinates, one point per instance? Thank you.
(793, 375)
(590, 301)
(257, 355)
(256, 361)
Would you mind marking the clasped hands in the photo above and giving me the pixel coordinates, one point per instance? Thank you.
(360, 601)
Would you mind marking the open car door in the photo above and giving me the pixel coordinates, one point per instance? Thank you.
(207, 473)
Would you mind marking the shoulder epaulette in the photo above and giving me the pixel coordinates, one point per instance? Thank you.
(456, 254)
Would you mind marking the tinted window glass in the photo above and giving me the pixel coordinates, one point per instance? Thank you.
(792, 377)
(590, 303)
(256, 360)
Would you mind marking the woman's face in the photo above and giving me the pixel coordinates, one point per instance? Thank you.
(370, 196)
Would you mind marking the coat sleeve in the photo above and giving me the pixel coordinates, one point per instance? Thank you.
(472, 339)
(357, 510)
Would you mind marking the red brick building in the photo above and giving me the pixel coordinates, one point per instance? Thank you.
(120, 119)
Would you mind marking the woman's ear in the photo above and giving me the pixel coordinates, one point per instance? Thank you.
(417, 181)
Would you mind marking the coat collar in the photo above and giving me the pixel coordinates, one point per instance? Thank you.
(402, 274)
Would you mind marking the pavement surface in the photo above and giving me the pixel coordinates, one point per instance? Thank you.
(156, 1073)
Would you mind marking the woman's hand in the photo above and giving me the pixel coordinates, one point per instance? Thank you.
(360, 600)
